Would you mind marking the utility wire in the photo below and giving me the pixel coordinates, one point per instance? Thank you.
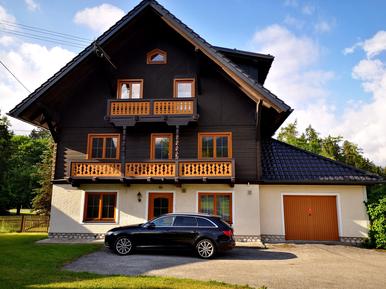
(14, 76)
(43, 38)
(45, 31)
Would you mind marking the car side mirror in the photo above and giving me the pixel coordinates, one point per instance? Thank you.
(150, 226)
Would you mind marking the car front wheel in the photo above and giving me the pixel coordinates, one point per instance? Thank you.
(205, 249)
(123, 246)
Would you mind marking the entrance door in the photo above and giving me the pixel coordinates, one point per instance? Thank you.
(310, 218)
(159, 204)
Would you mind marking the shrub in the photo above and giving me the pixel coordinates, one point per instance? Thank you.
(377, 215)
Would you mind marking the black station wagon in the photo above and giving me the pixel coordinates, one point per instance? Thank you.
(206, 234)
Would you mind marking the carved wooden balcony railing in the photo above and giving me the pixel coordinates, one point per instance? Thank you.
(151, 169)
(95, 169)
(181, 169)
(175, 107)
(127, 112)
(206, 168)
(125, 108)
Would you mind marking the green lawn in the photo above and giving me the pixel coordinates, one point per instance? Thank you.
(24, 264)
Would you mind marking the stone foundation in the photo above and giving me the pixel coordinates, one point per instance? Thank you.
(273, 238)
(355, 241)
(247, 238)
(79, 236)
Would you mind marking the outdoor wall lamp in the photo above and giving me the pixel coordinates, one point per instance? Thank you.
(139, 197)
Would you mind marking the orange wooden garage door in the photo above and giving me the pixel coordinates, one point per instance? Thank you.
(310, 218)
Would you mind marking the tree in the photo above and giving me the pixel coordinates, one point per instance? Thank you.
(41, 202)
(5, 150)
(21, 172)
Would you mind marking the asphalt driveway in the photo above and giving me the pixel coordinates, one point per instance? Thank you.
(279, 266)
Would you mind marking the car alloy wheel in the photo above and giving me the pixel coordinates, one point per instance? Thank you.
(205, 248)
(123, 246)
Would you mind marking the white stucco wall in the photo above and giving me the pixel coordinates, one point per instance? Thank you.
(352, 216)
(68, 205)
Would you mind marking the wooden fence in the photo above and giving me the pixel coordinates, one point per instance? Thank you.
(24, 223)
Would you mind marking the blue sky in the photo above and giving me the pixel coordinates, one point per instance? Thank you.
(328, 88)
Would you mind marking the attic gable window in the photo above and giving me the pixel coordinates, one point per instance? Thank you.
(156, 56)
(130, 88)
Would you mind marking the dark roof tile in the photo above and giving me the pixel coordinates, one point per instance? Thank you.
(284, 163)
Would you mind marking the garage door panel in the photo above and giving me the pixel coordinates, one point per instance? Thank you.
(310, 218)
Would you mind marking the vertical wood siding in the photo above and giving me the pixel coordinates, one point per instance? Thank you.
(221, 104)
(310, 218)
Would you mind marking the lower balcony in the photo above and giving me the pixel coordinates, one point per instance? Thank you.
(157, 170)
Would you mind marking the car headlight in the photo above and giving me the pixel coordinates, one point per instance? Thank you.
(109, 233)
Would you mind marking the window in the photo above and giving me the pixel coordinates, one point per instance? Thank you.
(185, 222)
(156, 56)
(161, 146)
(130, 88)
(214, 145)
(100, 207)
(184, 87)
(216, 204)
(204, 223)
(103, 146)
(164, 221)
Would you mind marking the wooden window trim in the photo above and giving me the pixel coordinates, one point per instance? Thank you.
(215, 194)
(152, 144)
(214, 135)
(99, 219)
(154, 51)
(182, 80)
(91, 136)
(130, 82)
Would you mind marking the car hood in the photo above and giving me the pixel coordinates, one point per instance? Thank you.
(126, 227)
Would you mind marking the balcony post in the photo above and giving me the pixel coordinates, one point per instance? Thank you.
(123, 151)
(177, 151)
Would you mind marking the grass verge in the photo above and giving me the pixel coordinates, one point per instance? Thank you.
(25, 264)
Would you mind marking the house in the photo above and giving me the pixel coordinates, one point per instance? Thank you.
(150, 119)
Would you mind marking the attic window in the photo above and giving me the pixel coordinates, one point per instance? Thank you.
(156, 56)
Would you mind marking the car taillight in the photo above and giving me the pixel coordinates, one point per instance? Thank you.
(228, 233)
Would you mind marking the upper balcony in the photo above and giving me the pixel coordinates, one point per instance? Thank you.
(128, 112)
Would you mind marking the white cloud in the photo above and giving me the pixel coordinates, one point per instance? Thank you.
(4, 16)
(295, 79)
(294, 22)
(350, 50)
(6, 40)
(372, 47)
(292, 3)
(376, 44)
(292, 75)
(323, 26)
(308, 9)
(33, 64)
(99, 18)
(32, 5)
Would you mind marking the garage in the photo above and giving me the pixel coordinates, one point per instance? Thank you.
(312, 218)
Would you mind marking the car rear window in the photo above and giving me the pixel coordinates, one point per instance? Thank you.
(181, 221)
(204, 223)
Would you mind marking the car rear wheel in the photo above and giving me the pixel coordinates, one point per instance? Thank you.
(205, 249)
(123, 246)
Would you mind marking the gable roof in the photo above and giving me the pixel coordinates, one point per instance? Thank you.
(251, 87)
(283, 163)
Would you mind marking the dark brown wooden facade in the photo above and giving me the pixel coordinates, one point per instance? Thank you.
(80, 103)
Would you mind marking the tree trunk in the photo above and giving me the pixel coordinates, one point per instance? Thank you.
(18, 208)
